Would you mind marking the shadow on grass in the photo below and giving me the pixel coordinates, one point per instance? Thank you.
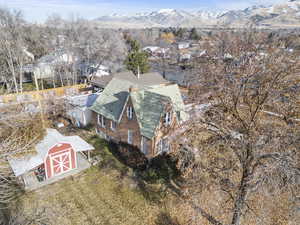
(129, 155)
(153, 178)
(164, 218)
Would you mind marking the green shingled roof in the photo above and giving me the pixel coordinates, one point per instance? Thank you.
(111, 101)
(173, 92)
(148, 107)
(148, 103)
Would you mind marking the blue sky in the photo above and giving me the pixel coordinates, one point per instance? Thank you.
(38, 10)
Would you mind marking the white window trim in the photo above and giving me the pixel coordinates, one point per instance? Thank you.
(111, 125)
(129, 112)
(101, 121)
(129, 137)
(98, 119)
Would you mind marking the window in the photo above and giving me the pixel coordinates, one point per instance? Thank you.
(144, 145)
(163, 145)
(178, 115)
(113, 125)
(167, 118)
(101, 121)
(160, 146)
(129, 139)
(129, 112)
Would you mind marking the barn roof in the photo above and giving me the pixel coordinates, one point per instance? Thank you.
(53, 137)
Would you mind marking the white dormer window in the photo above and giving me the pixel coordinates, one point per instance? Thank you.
(168, 118)
(113, 125)
(101, 121)
(129, 112)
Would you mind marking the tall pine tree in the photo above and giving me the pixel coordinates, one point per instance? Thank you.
(137, 60)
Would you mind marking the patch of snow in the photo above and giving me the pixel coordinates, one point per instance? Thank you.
(167, 11)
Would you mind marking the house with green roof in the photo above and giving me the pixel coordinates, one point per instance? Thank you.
(140, 115)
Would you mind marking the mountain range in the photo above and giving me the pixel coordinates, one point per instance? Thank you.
(284, 15)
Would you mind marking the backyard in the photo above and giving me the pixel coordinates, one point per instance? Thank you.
(106, 193)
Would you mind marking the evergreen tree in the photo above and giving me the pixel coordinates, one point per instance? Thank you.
(194, 34)
(137, 60)
(180, 33)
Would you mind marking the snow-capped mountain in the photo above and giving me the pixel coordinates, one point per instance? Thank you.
(160, 18)
(278, 15)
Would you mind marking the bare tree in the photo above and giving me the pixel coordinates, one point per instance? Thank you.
(248, 141)
(18, 137)
(12, 45)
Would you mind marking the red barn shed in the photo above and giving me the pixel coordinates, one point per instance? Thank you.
(56, 155)
(61, 158)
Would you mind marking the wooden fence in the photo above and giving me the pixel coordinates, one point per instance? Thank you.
(41, 95)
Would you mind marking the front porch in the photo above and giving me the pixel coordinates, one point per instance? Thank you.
(31, 181)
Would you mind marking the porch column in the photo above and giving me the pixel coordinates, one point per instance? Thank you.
(89, 156)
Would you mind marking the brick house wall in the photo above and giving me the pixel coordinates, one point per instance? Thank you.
(164, 130)
(120, 134)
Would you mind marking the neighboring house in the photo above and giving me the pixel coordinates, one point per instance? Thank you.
(140, 115)
(151, 49)
(99, 83)
(55, 157)
(185, 57)
(156, 51)
(46, 65)
(78, 109)
(183, 45)
(92, 70)
(100, 71)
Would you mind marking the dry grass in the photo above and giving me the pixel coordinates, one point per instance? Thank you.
(97, 197)
(90, 198)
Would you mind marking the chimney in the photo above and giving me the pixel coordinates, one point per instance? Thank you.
(133, 88)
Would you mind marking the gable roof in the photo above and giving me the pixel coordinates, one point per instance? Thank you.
(112, 99)
(148, 107)
(53, 137)
(148, 103)
(173, 92)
